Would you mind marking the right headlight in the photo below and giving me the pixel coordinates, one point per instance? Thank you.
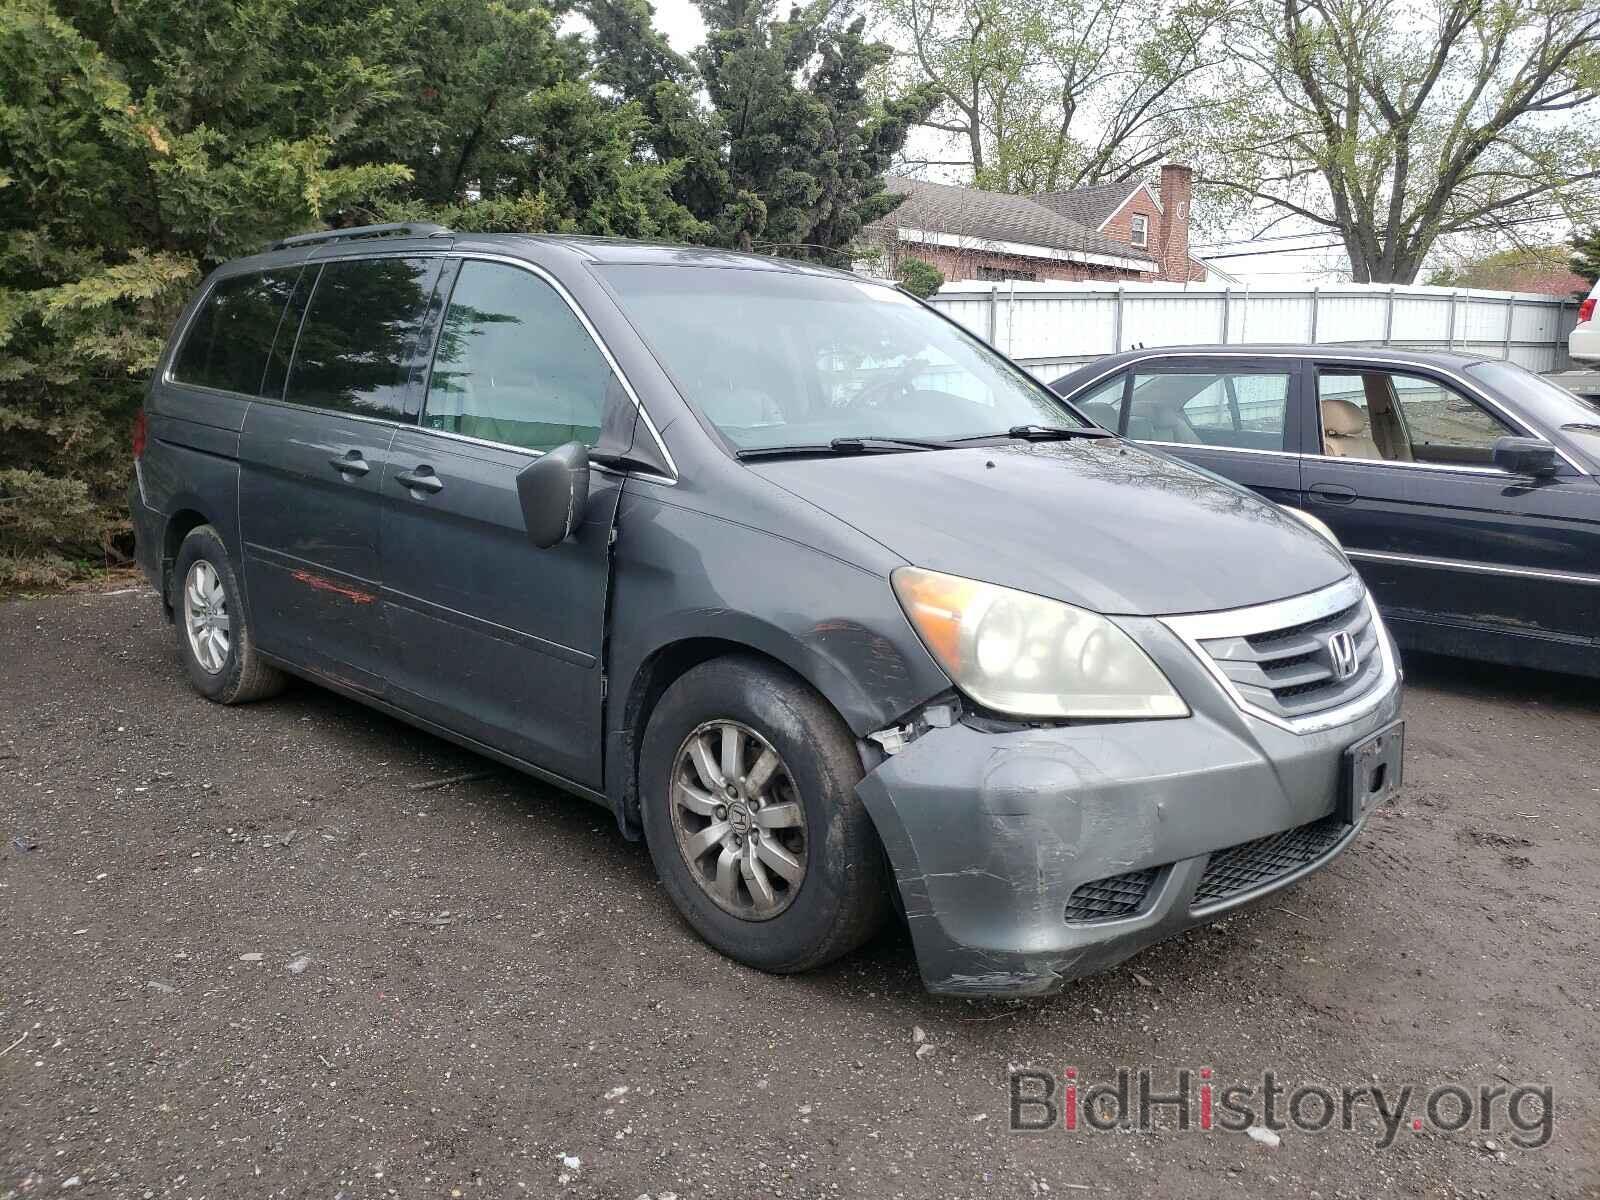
(1022, 654)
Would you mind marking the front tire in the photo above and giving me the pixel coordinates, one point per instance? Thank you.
(747, 795)
(215, 640)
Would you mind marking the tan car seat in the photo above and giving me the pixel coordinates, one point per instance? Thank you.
(1153, 422)
(1344, 429)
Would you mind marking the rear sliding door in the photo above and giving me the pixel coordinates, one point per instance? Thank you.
(313, 456)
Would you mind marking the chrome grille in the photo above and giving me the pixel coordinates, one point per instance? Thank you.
(1281, 658)
(1113, 896)
(1250, 865)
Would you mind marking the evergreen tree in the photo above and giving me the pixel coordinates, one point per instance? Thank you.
(789, 157)
(136, 150)
(1586, 253)
(143, 143)
(498, 108)
(806, 145)
(633, 62)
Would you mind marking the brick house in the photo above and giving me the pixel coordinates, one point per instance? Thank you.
(1115, 231)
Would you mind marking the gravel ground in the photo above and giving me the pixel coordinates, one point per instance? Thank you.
(286, 950)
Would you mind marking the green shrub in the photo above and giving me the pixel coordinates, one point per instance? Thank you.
(919, 276)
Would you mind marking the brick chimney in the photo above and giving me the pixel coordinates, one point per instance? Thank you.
(1177, 188)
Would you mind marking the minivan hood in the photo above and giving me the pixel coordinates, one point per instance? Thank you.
(1104, 525)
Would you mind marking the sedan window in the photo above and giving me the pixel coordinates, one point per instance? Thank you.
(1537, 400)
(1242, 410)
(1102, 404)
(1393, 416)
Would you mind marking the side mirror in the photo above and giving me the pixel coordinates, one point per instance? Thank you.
(554, 490)
(1526, 456)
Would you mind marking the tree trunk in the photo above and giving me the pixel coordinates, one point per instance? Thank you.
(975, 129)
(1400, 267)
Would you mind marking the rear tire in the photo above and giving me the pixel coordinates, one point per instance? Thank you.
(727, 844)
(215, 639)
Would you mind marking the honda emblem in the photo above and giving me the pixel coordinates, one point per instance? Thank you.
(1342, 650)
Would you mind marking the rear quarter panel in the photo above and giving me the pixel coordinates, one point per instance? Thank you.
(191, 459)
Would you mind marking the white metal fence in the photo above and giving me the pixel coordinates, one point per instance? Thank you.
(1050, 327)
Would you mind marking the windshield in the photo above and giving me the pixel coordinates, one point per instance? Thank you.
(778, 359)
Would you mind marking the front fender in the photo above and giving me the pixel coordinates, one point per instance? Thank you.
(682, 575)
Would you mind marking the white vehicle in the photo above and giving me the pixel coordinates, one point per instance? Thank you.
(1584, 344)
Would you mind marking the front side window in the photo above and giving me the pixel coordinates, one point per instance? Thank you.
(359, 334)
(230, 337)
(1244, 410)
(782, 359)
(514, 364)
(1394, 416)
(1141, 231)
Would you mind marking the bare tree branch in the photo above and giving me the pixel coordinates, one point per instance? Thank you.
(1427, 118)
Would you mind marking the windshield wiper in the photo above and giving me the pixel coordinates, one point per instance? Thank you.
(1043, 433)
(877, 445)
(846, 445)
(1050, 433)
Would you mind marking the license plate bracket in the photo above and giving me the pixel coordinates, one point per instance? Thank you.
(1373, 770)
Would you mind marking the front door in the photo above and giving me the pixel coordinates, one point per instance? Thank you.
(1453, 547)
(495, 638)
(1230, 417)
(312, 457)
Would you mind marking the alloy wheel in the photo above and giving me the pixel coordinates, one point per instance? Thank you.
(738, 820)
(205, 617)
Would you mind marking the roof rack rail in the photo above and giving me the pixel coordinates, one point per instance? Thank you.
(418, 229)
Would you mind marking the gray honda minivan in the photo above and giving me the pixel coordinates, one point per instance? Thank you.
(835, 606)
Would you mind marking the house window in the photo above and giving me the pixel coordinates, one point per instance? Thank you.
(1141, 231)
(1001, 274)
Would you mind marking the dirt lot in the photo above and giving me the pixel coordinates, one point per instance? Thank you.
(249, 954)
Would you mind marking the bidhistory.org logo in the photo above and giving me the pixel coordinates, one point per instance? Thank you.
(1194, 1099)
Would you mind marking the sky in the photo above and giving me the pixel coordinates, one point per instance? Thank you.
(680, 21)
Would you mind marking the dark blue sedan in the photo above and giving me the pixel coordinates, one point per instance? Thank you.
(1464, 489)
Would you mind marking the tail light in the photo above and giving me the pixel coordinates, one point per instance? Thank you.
(1586, 310)
(140, 433)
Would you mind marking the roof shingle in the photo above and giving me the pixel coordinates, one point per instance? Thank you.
(997, 216)
(1090, 206)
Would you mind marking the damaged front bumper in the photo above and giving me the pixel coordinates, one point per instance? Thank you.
(1029, 857)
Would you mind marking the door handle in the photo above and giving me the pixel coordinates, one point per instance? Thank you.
(1333, 493)
(351, 464)
(421, 480)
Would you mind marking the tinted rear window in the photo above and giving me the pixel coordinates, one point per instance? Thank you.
(278, 361)
(230, 337)
(358, 336)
